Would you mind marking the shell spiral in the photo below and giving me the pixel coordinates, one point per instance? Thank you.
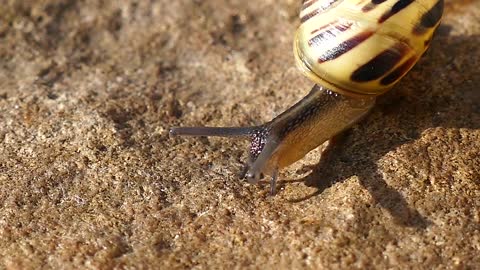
(363, 47)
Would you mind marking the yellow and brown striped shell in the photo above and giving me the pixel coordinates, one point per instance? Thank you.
(363, 47)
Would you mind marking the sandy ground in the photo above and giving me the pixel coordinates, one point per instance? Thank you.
(90, 178)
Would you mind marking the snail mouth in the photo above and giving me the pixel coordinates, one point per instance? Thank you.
(252, 177)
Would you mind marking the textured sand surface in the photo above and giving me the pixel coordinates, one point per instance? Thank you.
(90, 178)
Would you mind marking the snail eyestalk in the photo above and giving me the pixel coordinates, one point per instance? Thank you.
(212, 131)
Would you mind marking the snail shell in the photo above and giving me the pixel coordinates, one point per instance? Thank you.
(363, 46)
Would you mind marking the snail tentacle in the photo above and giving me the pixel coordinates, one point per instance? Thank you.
(212, 131)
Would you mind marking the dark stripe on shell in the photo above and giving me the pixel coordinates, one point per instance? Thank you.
(380, 64)
(331, 33)
(399, 72)
(309, 15)
(323, 7)
(430, 18)
(343, 26)
(373, 4)
(345, 46)
(368, 7)
(397, 7)
(328, 5)
(324, 26)
(306, 4)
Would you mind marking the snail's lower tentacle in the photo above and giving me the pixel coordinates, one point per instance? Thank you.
(273, 181)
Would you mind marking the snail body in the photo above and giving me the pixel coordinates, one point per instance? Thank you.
(354, 50)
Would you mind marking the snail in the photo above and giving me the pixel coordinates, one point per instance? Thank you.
(354, 51)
